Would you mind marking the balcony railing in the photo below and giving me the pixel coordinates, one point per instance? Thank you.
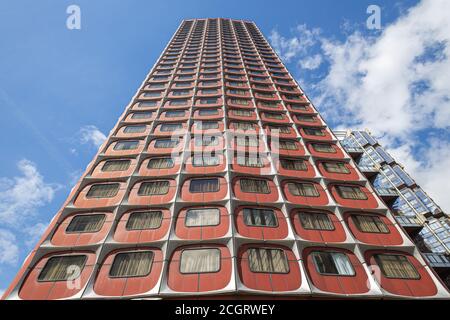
(437, 260)
(353, 149)
(367, 168)
(409, 222)
(386, 192)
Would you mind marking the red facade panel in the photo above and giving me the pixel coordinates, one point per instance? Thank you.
(34, 288)
(198, 281)
(421, 286)
(106, 285)
(357, 283)
(63, 236)
(334, 233)
(270, 282)
(127, 233)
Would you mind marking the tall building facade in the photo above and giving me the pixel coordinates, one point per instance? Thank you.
(221, 179)
(426, 223)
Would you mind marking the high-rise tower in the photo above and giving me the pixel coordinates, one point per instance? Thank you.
(221, 178)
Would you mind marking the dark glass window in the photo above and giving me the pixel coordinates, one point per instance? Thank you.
(260, 217)
(88, 223)
(58, 268)
(350, 192)
(144, 220)
(131, 264)
(303, 189)
(107, 190)
(332, 263)
(315, 221)
(154, 188)
(116, 165)
(204, 185)
(267, 260)
(396, 266)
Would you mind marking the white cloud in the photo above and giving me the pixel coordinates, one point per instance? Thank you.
(290, 48)
(91, 134)
(9, 251)
(311, 63)
(396, 83)
(21, 196)
(376, 79)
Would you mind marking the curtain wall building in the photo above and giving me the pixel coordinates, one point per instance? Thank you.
(221, 179)
(426, 223)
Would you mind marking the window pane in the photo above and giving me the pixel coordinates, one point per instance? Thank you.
(260, 217)
(325, 148)
(305, 118)
(206, 141)
(267, 260)
(126, 145)
(247, 141)
(167, 127)
(154, 188)
(315, 221)
(166, 143)
(396, 266)
(200, 261)
(354, 193)
(303, 189)
(103, 190)
(175, 114)
(281, 129)
(116, 165)
(291, 164)
(202, 217)
(205, 125)
(205, 161)
(208, 112)
(287, 145)
(141, 115)
(131, 264)
(242, 113)
(243, 125)
(370, 224)
(335, 167)
(204, 185)
(314, 132)
(59, 268)
(276, 116)
(332, 263)
(134, 129)
(86, 223)
(180, 102)
(147, 104)
(250, 161)
(254, 185)
(160, 163)
(144, 220)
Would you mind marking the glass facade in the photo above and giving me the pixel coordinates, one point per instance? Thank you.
(433, 236)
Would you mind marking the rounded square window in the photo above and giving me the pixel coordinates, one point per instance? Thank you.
(131, 264)
(202, 217)
(200, 261)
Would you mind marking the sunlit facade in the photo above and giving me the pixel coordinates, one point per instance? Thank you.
(222, 179)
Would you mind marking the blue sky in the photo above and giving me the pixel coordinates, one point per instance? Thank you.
(60, 89)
